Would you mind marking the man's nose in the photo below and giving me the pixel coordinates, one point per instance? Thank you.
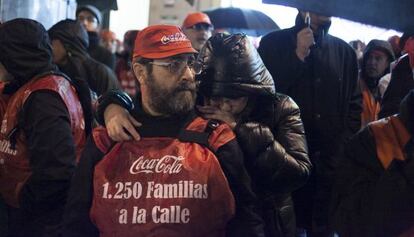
(188, 74)
(84, 22)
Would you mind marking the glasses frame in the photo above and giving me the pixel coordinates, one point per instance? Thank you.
(189, 63)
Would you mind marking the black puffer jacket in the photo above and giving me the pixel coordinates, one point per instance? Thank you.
(270, 132)
(369, 200)
(80, 65)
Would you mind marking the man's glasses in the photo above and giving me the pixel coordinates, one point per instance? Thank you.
(202, 26)
(177, 66)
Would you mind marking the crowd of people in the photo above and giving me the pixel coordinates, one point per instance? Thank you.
(184, 131)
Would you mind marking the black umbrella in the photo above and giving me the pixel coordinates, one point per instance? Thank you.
(391, 14)
(249, 21)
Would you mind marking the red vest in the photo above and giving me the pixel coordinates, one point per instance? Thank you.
(14, 161)
(162, 186)
(390, 136)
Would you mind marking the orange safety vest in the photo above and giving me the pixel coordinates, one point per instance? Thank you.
(390, 136)
(370, 106)
(14, 157)
(162, 186)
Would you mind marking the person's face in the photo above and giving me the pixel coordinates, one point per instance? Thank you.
(88, 20)
(376, 64)
(316, 19)
(198, 34)
(232, 105)
(110, 44)
(170, 88)
(59, 52)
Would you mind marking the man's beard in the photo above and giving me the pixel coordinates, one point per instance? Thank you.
(179, 101)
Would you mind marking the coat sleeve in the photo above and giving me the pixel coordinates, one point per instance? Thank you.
(278, 53)
(354, 97)
(101, 78)
(277, 159)
(247, 221)
(76, 221)
(46, 124)
(106, 81)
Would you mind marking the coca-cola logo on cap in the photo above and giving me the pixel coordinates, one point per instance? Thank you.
(179, 36)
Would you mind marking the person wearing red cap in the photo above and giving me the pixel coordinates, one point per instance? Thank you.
(198, 28)
(109, 40)
(184, 177)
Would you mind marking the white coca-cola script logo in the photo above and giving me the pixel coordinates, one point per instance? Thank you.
(173, 38)
(168, 165)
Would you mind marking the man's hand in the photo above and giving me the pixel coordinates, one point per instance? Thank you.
(119, 123)
(212, 112)
(304, 41)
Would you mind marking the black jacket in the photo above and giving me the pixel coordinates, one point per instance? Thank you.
(270, 130)
(26, 53)
(247, 221)
(370, 200)
(74, 38)
(325, 88)
(100, 53)
(402, 81)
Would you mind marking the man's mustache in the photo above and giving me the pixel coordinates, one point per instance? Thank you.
(186, 86)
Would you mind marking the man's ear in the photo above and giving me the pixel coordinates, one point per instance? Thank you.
(139, 72)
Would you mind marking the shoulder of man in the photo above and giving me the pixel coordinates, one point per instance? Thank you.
(277, 35)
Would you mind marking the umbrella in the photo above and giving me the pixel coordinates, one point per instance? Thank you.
(249, 21)
(397, 14)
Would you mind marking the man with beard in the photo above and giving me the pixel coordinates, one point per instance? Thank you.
(198, 28)
(375, 64)
(190, 171)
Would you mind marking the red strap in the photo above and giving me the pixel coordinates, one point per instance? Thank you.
(102, 140)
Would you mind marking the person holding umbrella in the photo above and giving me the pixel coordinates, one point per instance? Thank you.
(320, 73)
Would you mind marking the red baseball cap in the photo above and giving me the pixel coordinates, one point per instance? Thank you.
(161, 41)
(196, 18)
